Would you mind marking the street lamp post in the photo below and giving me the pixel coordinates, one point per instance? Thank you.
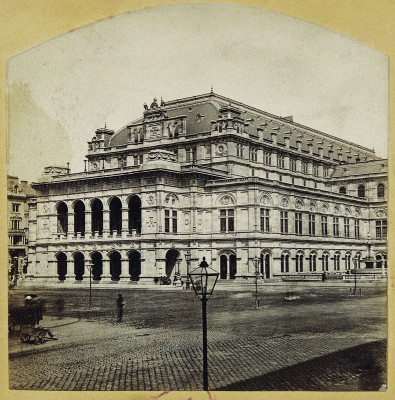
(188, 260)
(90, 266)
(255, 261)
(203, 280)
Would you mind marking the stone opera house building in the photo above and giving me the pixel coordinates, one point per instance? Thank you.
(210, 176)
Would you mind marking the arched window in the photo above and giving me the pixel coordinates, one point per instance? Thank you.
(225, 261)
(265, 265)
(79, 218)
(285, 262)
(348, 261)
(115, 216)
(342, 190)
(358, 257)
(299, 262)
(380, 190)
(361, 191)
(336, 262)
(62, 215)
(325, 262)
(313, 262)
(135, 214)
(97, 216)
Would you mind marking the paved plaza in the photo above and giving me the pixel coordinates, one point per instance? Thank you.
(302, 338)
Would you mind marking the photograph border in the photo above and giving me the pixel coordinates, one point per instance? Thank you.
(26, 23)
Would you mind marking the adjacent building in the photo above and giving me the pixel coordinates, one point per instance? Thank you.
(18, 194)
(213, 177)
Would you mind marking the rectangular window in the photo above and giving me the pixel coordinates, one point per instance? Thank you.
(15, 224)
(136, 160)
(190, 154)
(284, 221)
(280, 160)
(346, 227)
(15, 207)
(336, 226)
(311, 224)
(170, 221)
(227, 220)
(326, 172)
(292, 164)
(298, 223)
(381, 229)
(265, 220)
(231, 220)
(356, 228)
(315, 170)
(304, 167)
(239, 150)
(174, 215)
(324, 225)
(253, 154)
(267, 158)
(167, 221)
(141, 159)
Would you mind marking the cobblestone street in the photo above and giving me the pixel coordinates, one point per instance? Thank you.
(306, 344)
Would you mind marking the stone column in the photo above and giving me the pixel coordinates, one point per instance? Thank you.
(70, 276)
(52, 269)
(286, 161)
(200, 152)
(213, 151)
(106, 223)
(70, 224)
(259, 156)
(88, 222)
(106, 269)
(125, 221)
(125, 276)
(181, 154)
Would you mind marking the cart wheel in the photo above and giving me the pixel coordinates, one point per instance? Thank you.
(41, 337)
(25, 337)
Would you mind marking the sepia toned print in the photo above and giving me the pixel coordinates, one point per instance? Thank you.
(282, 225)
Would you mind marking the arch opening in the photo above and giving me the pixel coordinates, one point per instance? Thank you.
(62, 266)
(134, 265)
(79, 266)
(115, 216)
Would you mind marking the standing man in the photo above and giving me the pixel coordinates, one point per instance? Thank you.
(120, 305)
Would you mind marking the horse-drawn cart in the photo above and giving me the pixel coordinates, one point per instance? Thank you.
(25, 319)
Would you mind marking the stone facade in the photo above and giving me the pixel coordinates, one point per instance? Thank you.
(18, 193)
(220, 179)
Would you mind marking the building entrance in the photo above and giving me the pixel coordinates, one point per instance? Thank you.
(171, 259)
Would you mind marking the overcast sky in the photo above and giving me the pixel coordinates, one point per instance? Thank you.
(62, 90)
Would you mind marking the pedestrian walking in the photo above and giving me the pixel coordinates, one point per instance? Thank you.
(120, 305)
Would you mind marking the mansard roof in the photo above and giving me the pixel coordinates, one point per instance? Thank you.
(360, 169)
(201, 111)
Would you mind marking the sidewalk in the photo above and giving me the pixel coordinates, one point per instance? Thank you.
(221, 285)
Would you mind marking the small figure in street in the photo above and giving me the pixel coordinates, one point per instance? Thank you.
(120, 305)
